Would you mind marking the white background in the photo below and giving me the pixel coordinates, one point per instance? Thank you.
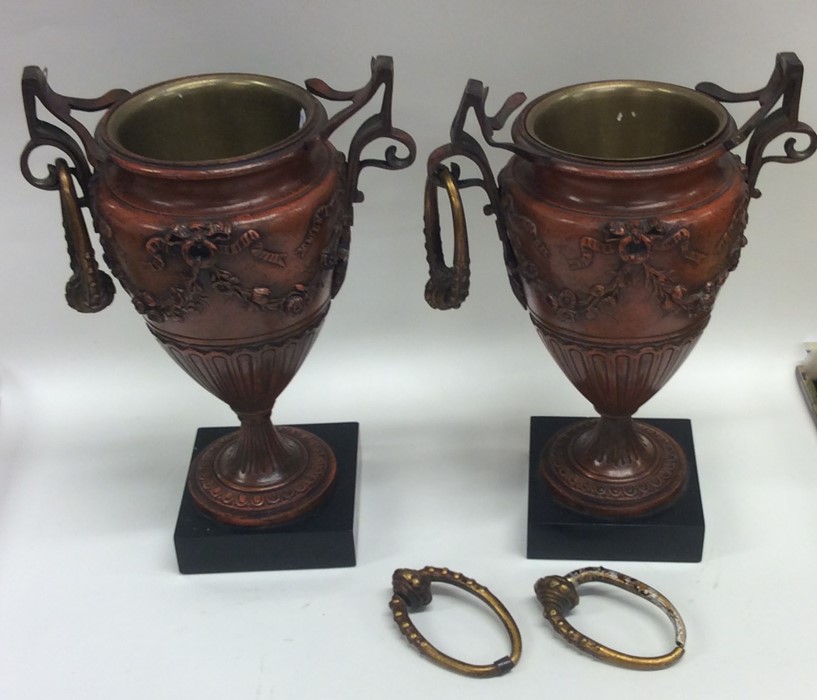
(96, 423)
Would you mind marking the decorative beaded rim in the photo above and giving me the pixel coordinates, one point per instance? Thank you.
(412, 589)
(559, 594)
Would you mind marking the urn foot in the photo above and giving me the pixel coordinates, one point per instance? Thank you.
(554, 531)
(290, 473)
(325, 538)
(614, 467)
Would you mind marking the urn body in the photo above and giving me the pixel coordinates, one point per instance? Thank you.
(224, 211)
(621, 214)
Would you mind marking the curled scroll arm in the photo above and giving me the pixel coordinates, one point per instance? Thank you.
(765, 125)
(35, 88)
(377, 126)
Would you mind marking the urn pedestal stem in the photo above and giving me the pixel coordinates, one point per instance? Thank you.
(260, 457)
(614, 467)
(613, 448)
(262, 475)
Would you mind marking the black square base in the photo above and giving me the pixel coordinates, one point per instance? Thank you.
(556, 532)
(321, 540)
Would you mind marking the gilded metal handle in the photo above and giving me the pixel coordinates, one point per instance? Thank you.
(89, 289)
(412, 589)
(764, 125)
(559, 594)
(447, 287)
(465, 145)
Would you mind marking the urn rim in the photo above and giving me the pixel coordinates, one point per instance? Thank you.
(623, 122)
(213, 121)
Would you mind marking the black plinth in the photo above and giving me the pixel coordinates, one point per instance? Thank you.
(674, 534)
(321, 540)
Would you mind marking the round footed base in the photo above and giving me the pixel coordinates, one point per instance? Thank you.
(599, 473)
(303, 490)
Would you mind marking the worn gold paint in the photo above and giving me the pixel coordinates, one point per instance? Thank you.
(559, 594)
(413, 589)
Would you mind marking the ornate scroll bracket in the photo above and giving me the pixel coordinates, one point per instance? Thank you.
(35, 87)
(764, 125)
(465, 145)
(88, 289)
(376, 126)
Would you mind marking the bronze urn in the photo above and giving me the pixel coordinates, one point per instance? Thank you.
(621, 213)
(224, 211)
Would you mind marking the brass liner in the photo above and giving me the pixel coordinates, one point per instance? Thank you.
(209, 118)
(625, 120)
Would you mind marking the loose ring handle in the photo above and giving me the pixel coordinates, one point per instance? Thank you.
(89, 289)
(559, 594)
(412, 589)
(447, 287)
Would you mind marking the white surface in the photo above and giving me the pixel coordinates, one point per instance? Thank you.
(96, 423)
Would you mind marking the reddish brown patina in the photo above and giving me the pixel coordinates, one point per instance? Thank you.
(621, 214)
(225, 212)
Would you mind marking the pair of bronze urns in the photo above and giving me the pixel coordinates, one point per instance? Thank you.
(225, 212)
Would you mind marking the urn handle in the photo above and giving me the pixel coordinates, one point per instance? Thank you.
(447, 287)
(35, 87)
(89, 289)
(766, 125)
(560, 594)
(412, 590)
(376, 126)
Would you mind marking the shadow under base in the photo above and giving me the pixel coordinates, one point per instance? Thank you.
(322, 539)
(675, 533)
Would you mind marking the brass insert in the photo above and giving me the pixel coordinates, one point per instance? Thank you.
(209, 118)
(626, 120)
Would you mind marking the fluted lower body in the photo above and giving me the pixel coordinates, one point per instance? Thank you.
(260, 474)
(614, 466)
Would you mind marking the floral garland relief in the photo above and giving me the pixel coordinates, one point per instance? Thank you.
(633, 243)
(201, 245)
